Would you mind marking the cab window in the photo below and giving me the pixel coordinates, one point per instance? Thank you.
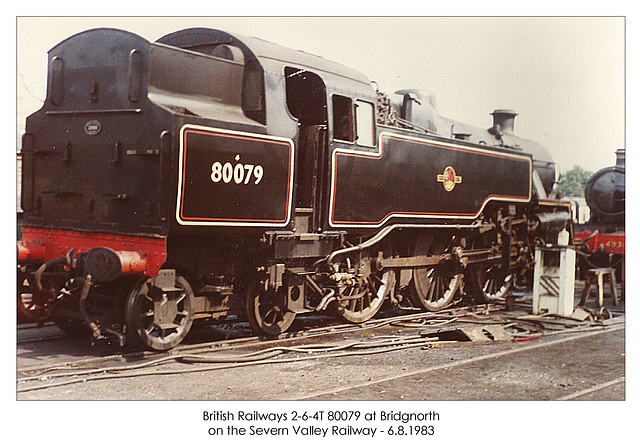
(342, 118)
(365, 118)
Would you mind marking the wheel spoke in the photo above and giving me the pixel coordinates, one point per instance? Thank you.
(432, 287)
(272, 316)
(268, 317)
(373, 291)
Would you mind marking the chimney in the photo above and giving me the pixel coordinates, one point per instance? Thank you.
(620, 158)
(503, 120)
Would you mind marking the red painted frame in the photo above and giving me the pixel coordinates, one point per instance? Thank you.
(613, 243)
(44, 244)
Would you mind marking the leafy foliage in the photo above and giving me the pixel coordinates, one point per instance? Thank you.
(572, 182)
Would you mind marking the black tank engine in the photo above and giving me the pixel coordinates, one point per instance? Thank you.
(209, 175)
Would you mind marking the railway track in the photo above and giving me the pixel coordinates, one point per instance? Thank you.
(239, 342)
(400, 379)
(389, 334)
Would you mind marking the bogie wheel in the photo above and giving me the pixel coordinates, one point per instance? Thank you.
(156, 319)
(267, 309)
(31, 302)
(360, 299)
(434, 288)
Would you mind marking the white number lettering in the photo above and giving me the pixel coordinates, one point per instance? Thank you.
(249, 169)
(240, 173)
(258, 172)
(227, 172)
(216, 172)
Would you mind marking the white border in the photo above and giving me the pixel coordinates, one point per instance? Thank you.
(238, 133)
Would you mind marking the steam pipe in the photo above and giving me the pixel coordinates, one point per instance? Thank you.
(82, 305)
(37, 278)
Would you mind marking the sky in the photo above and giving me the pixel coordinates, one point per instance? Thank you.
(564, 76)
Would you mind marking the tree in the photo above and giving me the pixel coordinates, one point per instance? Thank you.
(572, 183)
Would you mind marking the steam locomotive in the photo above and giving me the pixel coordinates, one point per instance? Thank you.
(602, 238)
(209, 176)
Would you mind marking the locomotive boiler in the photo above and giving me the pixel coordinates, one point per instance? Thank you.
(209, 175)
(602, 238)
(605, 192)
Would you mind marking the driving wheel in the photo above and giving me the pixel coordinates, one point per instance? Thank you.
(434, 288)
